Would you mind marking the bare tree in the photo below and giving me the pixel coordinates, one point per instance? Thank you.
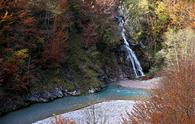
(95, 115)
(174, 102)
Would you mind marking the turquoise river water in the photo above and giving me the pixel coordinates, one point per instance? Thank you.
(41, 111)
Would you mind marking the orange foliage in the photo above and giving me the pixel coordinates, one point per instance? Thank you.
(15, 30)
(61, 120)
(100, 12)
(102, 7)
(63, 4)
(181, 12)
(13, 11)
(28, 21)
(174, 102)
(15, 19)
(193, 16)
(106, 6)
(54, 50)
(11, 76)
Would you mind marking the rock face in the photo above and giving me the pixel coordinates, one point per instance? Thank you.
(143, 57)
(12, 102)
(45, 96)
(125, 69)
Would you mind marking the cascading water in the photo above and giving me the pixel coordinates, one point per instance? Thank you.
(130, 55)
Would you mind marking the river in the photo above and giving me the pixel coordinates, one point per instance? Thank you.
(41, 111)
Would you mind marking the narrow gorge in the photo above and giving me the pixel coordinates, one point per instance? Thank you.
(97, 61)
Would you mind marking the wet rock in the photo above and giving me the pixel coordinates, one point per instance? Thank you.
(74, 93)
(124, 68)
(9, 103)
(91, 91)
(143, 57)
(45, 96)
(94, 90)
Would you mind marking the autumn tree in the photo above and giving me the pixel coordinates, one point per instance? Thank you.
(54, 49)
(173, 102)
(180, 12)
(94, 17)
(16, 30)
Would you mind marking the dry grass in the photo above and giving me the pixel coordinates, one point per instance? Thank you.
(60, 120)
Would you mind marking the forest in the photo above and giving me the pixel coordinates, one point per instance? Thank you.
(56, 48)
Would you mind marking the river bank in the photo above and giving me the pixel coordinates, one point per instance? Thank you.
(13, 102)
(10, 103)
(143, 84)
(110, 112)
(41, 111)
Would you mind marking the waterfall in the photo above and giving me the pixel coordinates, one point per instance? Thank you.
(130, 55)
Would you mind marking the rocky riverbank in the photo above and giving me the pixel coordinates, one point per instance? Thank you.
(110, 112)
(14, 102)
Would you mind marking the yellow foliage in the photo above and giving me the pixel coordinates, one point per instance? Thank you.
(161, 8)
(179, 12)
(23, 53)
(143, 4)
(161, 11)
